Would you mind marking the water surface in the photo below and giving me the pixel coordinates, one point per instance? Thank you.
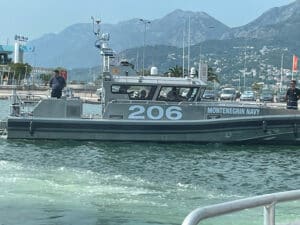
(110, 183)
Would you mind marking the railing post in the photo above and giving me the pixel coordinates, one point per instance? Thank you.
(269, 214)
(14, 95)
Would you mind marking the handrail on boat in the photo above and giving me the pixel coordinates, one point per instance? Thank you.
(3, 128)
(268, 201)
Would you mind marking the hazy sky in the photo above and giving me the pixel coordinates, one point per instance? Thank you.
(33, 18)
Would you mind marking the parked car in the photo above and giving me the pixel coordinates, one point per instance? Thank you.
(248, 96)
(209, 95)
(266, 96)
(281, 96)
(228, 94)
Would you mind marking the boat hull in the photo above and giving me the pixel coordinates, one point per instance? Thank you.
(267, 129)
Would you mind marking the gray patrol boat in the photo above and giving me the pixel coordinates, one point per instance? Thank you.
(152, 108)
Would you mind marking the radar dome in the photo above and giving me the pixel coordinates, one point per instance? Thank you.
(154, 71)
(193, 71)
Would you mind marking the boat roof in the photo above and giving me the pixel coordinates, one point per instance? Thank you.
(154, 80)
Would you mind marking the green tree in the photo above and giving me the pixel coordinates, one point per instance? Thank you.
(45, 78)
(257, 87)
(20, 71)
(175, 71)
(211, 75)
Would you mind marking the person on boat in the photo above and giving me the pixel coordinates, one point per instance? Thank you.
(57, 83)
(174, 96)
(292, 96)
(143, 95)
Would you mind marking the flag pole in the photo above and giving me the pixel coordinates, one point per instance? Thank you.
(295, 65)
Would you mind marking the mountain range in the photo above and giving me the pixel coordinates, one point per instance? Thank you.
(74, 48)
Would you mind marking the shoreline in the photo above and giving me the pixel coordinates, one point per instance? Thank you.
(87, 96)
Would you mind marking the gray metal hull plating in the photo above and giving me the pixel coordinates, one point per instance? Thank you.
(263, 129)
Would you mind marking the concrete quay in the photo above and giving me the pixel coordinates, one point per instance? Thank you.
(87, 95)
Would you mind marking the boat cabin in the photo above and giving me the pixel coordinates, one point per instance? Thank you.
(149, 97)
(168, 89)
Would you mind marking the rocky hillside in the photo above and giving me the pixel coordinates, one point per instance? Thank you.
(276, 29)
(277, 23)
(74, 46)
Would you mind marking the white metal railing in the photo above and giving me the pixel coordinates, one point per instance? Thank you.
(3, 128)
(268, 201)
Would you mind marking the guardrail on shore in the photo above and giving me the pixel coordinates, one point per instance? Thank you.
(43, 87)
(23, 87)
(267, 201)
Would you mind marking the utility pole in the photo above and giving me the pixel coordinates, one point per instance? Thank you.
(200, 63)
(200, 57)
(245, 68)
(145, 22)
(183, 56)
(281, 71)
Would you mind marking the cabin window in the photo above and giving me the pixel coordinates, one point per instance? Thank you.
(202, 90)
(134, 92)
(177, 94)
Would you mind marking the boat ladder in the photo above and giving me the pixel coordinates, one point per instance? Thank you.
(268, 201)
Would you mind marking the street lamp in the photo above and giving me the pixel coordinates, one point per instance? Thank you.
(281, 70)
(145, 22)
(200, 56)
(245, 57)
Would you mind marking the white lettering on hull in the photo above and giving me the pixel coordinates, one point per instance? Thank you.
(233, 111)
(139, 112)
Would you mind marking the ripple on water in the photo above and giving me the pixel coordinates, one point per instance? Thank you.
(62, 181)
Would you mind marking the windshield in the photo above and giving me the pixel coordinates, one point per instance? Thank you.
(228, 91)
(177, 94)
(134, 92)
(267, 93)
(210, 92)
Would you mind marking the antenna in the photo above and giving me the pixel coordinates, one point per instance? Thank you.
(145, 22)
(97, 22)
(189, 45)
(102, 44)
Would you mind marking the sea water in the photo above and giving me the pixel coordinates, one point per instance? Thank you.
(111, 183)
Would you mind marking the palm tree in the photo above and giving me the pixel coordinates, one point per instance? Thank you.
(176, 71)
(45, 78)
(211, 76)
(257, 87)
(20, 71)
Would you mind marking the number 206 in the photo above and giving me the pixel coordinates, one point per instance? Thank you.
(154, 112)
